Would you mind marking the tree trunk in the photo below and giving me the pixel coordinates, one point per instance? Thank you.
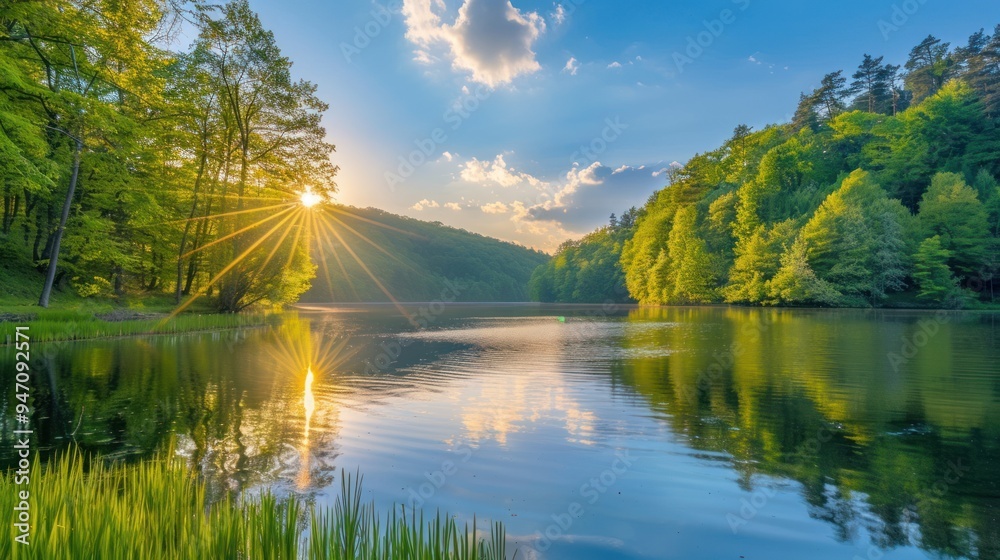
(187, 226)
(50, 276)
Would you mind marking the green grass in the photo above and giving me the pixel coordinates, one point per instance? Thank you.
(74, 318)
(158, 510)
(67, 324)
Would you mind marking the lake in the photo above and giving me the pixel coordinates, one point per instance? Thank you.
(590, 432)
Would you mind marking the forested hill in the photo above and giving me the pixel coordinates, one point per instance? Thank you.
(415, 261)
(881, 191)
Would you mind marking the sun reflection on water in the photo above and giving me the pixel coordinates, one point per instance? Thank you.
(309, 404)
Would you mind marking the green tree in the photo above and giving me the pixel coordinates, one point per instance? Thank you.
(929, 67)
(872, 86)
(796, 283)
(854, 240)
(982, 69)
(278, 137)
(830, 94)
(947, 132)
(952, 211)
(690, 276)
(92, 60)
(757, 260)
(931, 271)
(806, 116)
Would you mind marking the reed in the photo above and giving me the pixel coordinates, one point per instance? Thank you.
(158, 510)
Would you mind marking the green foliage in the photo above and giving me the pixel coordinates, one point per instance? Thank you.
(757, 261)
(58, 324)
(952, 211)
(796, 283)
(159, 510)
(128, 169)
(931, 271)
(832, 208)
(856, 238)
(588, 270)
(690, 277)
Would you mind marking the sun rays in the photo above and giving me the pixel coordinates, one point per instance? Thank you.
(310, 199)
(304, 221)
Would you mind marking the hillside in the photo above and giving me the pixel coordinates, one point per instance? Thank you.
(413, 260)
(882, 191)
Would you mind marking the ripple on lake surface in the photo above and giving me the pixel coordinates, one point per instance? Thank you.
(642, 433)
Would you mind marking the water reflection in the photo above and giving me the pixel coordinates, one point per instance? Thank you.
(309, 404)
(907, 455)
(821, 433)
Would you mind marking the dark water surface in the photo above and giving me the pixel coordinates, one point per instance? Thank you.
(592, 434)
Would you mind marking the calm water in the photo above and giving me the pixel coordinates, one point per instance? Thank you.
(592, 434)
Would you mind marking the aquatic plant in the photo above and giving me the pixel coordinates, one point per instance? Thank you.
(157, 509)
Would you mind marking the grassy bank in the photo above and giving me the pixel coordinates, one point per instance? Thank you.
(71, 317)
(47, 325)
(158, 510)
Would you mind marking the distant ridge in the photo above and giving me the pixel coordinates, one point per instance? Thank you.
(416, 261)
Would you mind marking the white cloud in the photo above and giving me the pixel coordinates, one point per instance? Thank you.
(453, 206)
(495, 208)
(496, 171)
(447, 156)
(489, 38)
(615, 64)
(424, 204)
(576, 178)
(549, 229)
(673, 165)
(423, 57)
(572, 65)
(587, 195)
(559, 15)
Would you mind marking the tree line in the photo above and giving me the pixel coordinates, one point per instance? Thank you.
(130, 166)
(416, 260)
(882, 190)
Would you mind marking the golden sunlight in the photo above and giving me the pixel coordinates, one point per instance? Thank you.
(310, 199)
(309, 402)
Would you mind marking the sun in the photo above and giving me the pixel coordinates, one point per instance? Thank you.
(310, 199)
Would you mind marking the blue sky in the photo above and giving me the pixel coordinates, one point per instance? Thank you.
(541, 118)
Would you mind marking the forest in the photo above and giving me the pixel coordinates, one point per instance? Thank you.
(881, 191)
(131, 167)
